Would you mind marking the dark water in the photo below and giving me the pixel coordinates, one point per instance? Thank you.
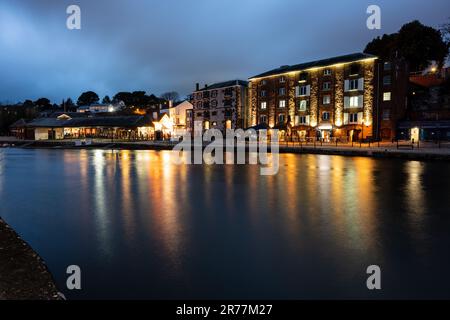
(142, 227)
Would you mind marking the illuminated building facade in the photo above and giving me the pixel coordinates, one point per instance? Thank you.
(221, 105)
(324, 99)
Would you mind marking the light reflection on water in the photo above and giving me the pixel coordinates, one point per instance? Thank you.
(142, 227)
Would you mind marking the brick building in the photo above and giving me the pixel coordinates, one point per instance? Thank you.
(342, 97)
(221, 105)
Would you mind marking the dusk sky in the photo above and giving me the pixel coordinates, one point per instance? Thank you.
(159, 46)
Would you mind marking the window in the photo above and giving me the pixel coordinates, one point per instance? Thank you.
(214, 123)
(303, 90)
(282, 104)
(263, 82)
(387, 80)
(199, 105)
(354, 102)
(263, 118)
(301, 120)
(214, 113)
(228, 91)
(303, 77)
(263, 105)
(206, 94)
(386, 114)
(327, 72)
(387, 96)
(302, 105)
(282, 79)
(326, 99)
(281, 118)
(199, 114)
(282, 91)
(199, 95)
(353, 118)
(354, 69)
(263, 93)
(325, 116)
(353, 84)
(387, 66)
(206, 104)
(214, 103)
(214, 93)
(326, 86)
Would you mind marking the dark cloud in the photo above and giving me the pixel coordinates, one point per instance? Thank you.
(159, 46)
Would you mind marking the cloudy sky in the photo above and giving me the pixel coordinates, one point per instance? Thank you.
(164, 45)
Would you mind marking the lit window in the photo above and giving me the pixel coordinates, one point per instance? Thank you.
(282, 104)
(387, 96)
(303, 104)
(326, 99)
(354, 103)
(263, 105)
(214, 123)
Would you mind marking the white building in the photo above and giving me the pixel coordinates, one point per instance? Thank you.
(101, 107)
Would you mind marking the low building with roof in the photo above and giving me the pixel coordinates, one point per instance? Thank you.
(66, 127)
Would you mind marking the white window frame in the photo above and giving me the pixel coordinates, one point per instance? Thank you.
(326, 99)
(387, 96)
(263, 105)
(303, 105)
(282, 104)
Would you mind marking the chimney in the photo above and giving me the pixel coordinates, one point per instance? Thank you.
(206, 86)
(197, 86)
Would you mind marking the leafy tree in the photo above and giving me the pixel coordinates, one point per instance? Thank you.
(106, 100)
(416, 43)
(87, 98)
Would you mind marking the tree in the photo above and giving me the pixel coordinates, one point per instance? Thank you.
(106, 100)
(171, 95)
(87, 98)
(43, 103)
(416, 43)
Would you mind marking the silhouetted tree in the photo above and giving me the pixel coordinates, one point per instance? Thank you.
(87, 98)
(416, 43)
(106, 99)
(171, 95)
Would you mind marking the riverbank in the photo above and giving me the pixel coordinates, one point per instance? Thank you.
(23, 274)
(429, 151)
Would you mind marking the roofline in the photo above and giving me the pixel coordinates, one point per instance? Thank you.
(312, 68)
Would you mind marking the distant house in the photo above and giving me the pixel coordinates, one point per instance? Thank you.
(221, 105)
(64, 126)
(181, 117)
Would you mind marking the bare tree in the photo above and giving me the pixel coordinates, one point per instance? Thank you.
(171, 95)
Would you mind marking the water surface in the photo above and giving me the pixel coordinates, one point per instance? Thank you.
(142, 227)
